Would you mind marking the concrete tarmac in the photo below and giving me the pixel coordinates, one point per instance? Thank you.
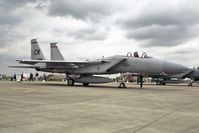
(53, 107)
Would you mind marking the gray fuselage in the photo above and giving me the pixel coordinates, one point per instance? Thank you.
(122, 64)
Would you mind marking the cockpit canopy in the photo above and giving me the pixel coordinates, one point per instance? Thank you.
(136, 54)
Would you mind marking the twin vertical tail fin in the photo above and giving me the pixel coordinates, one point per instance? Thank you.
(55, 53)
(36, 53)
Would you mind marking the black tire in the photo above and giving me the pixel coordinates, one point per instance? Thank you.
(70, 82)
(163, 83)
(190, 84)
(158, 83)
(122, 85)
(85, 84)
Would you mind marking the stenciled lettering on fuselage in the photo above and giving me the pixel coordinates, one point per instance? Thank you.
(36, 52)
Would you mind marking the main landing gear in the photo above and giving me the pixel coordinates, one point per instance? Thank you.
(190, 84)
(122, 85)
(70, 82)
(122, 79)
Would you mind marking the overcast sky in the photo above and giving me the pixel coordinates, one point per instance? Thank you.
(89, 29)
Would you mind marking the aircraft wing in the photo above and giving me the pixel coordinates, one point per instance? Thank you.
(22, 66)
(61, 63)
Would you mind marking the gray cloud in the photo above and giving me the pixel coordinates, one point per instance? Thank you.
(161, 35)
(3, 36)
(10, 35)
(163, 17)
(162, 26)
(184, 55)
(85, 22)
(90, 32)
(8, 18)
(9, 7)
(12, 4)
(8, 60)
(11, 16)
(81, 9)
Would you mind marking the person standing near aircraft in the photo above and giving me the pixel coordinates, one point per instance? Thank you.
(44, 77)
(31, 77)
(36, 76)
(14, 77)
(22, 77)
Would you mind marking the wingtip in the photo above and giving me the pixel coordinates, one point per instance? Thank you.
(18, 60)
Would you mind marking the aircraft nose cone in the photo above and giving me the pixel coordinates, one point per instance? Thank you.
(172, 68)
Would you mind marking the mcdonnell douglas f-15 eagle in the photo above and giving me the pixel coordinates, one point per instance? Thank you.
(85, 71)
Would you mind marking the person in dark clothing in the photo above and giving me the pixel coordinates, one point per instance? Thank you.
(36, 76)
(22, 77)
(14, 77)
(31, 77)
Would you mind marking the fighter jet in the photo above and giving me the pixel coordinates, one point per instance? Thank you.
(192, 74)
(84, 72)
